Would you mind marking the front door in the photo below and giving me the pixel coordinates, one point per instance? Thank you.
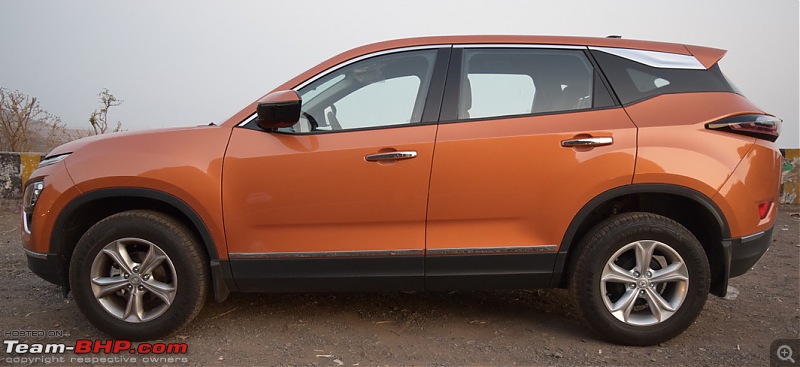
(342, 195)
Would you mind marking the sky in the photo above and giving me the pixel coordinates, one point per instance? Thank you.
(184, 63)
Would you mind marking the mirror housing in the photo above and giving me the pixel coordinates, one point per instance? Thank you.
(278, 109)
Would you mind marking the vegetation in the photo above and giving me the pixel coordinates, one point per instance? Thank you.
(99, 119)
(25, 126)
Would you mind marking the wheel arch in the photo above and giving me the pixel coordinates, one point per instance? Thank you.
(692, 209)
(89, 208)
(92, 206)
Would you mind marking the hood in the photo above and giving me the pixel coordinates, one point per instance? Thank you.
(76, 145)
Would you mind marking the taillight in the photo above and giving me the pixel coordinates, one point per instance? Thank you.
(759, 126)
(763, 209)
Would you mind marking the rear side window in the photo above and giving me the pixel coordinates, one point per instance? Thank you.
(633, 81)
(515, 92)
(508, 82)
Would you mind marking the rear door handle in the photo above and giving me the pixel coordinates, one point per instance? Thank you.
(587, 142)
(391, 156)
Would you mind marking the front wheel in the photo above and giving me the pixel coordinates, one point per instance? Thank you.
(639, 279)
(138, 275)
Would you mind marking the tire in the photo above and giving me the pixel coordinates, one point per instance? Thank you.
(623, 303)
(138, 275)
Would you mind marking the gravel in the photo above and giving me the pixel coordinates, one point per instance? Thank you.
(488, 328)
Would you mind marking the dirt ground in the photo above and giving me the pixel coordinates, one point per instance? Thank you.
(529, 327)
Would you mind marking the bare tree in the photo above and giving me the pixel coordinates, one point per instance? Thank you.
(56, 134)
(99, 119)
(20, 115)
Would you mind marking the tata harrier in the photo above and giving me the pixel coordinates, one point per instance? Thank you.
(632, 173)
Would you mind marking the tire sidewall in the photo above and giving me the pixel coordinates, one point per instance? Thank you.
(165, 237)
(669, 233)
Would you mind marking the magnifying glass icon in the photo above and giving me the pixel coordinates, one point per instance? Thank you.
(785, 353)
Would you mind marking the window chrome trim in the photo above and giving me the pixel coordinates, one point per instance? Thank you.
(518, 45)
(247, 120)
(656, 59)
(364, 57)
(295, 255)
(349, 62)
(491, 250)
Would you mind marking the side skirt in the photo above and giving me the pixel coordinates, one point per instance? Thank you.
(329, 274)
(341, 272)
(489, 271)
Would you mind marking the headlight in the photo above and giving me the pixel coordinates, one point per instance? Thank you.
(52, 160)
(32, 192)
(29, 199)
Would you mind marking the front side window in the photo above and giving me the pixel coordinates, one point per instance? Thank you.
(386, 90)
(507, 82)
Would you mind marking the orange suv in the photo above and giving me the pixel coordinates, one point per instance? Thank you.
(631, 172)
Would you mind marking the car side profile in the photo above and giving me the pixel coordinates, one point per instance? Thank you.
(632, 173)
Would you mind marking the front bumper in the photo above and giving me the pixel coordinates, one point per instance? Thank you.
(48, 266)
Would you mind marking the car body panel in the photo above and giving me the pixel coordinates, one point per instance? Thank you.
(58, 191)
(527, 164)
(755, 180)
(185, 163)
(317, 193)
(674, 149)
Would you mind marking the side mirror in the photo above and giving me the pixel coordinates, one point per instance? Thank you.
(278, 109)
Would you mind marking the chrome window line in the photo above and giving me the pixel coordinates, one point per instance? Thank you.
(518, 45)
(348, 62)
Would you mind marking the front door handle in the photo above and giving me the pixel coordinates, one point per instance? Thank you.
(391, 156)
(587, 142)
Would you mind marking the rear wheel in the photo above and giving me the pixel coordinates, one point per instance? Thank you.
(639, 279)
(138, 275)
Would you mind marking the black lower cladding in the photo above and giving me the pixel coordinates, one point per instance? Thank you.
(329, 274)
(49, 268)
(745, 252)
(391, 273)
(489, 271)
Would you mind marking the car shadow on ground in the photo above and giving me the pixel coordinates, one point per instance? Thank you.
(546, 311)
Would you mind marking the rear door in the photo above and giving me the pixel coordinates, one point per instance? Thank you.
(527, 136)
